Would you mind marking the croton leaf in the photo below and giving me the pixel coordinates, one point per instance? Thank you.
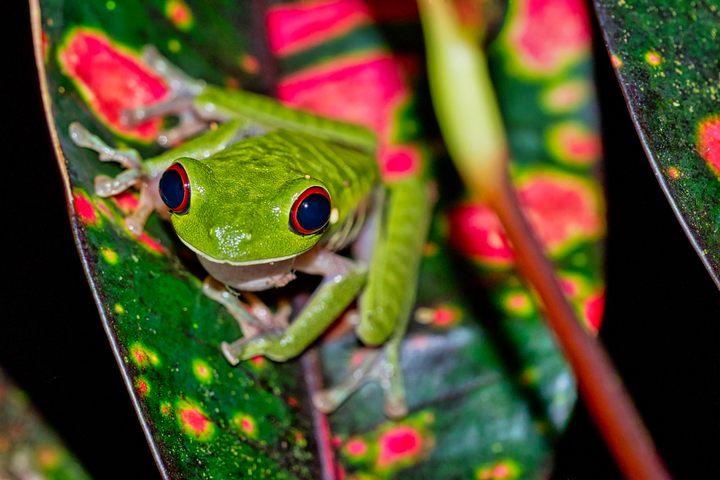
(29, 448)
(666, 58)
(488, 390)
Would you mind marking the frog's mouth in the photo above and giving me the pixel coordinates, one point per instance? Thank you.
(241, 263)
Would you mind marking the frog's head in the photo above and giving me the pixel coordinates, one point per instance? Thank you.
(245, 213)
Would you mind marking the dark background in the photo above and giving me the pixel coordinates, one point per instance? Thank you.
(661, 323)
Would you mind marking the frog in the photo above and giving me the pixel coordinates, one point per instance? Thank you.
(267, 191)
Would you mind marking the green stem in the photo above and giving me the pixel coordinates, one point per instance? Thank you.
(471, 124)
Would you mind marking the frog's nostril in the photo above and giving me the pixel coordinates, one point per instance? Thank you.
(175, 189)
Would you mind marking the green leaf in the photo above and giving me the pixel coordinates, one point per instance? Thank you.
(487, 389)
(29, 448)
(666, 58)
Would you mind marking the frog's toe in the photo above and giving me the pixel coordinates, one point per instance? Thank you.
(395, 406)
(107, 186)
(228, 353)
(104, 186)
(247, 348)
(328, 400)
(188, 127)
(180, 83)
(377, 366)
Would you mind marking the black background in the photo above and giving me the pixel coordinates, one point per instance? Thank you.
(661, 323)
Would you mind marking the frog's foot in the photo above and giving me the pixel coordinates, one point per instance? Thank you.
(180, 83)
(128, 158)
(134, 175)
(135, 222)
(277, 321)
(251, 322)
(380, 365)
(183, 90)
(250, 347)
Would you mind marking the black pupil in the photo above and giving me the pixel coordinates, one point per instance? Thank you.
(172, 188)
(313, 212)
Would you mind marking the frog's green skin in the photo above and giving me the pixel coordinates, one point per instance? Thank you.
(266, 174)
(242, 190)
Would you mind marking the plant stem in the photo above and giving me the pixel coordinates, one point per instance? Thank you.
(471, 124)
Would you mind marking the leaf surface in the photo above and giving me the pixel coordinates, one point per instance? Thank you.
(666, 59)
(487, 388)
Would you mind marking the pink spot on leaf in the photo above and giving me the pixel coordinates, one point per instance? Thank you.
(501, 471)
(258, 361)
(179, 14)
(366, 90)
(45, 44)
(143, 387)
(420, 342)
(356, 359)
(84, 208)
(250, 64)
(397, 444)
(194, 420)
(111, 80)
(247, 425)
(560, 210)
(444, 316)
(356, 448)
(518, 301)
(653, 58)
(593, 309)
(574, 143)
(104, 209)
(298, 26)
(708, 140)
(569, 287)
(399, 161)
(126, 201)
(152, 244)
(547, 35)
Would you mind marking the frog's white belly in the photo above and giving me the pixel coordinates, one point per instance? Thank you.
(251, 278)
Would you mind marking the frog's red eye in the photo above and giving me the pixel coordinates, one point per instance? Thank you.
(311, 211)
(175, 189)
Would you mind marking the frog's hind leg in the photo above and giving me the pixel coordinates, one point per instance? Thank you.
(183, 90)
(381, 365)
(398, 232)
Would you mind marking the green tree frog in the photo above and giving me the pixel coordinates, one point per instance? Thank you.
(272, 191)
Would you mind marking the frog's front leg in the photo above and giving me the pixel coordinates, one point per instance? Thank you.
(342, 280)
(145, 175)
(250, 325)
(133, 175)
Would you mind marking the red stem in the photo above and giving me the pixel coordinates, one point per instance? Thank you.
(600, 386)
